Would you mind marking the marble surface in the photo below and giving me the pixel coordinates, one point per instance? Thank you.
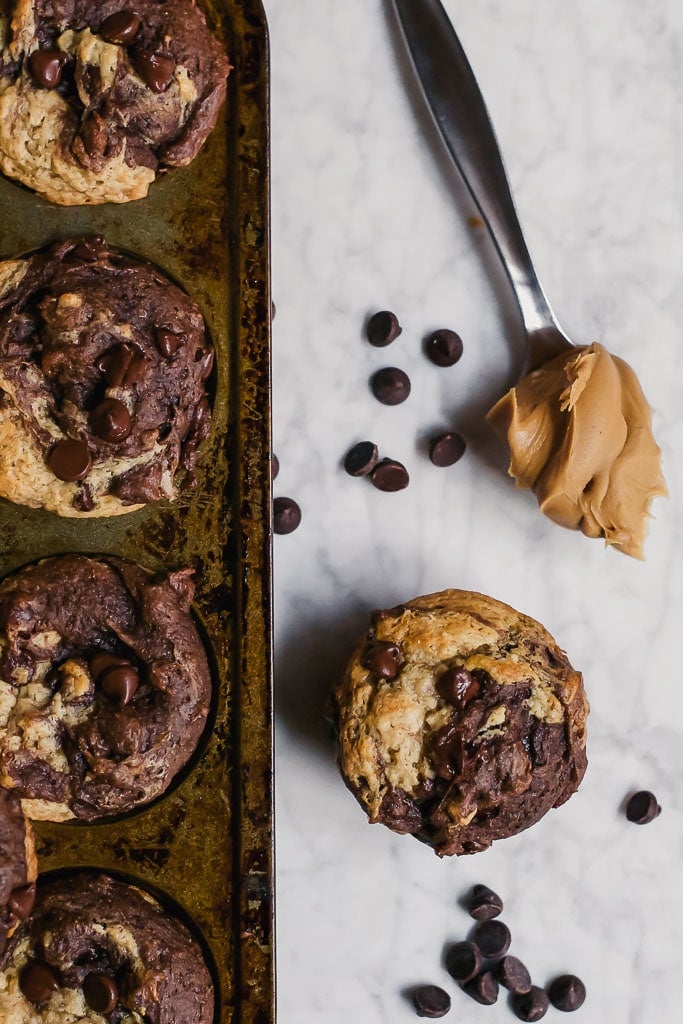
(587, 100)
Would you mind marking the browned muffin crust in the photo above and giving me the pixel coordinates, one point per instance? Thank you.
(18, 866)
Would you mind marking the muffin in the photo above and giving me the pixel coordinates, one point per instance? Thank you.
(18, 867)
(97, 98)
(104, 685)
(460, 721)
(103, 371)
(97, 950)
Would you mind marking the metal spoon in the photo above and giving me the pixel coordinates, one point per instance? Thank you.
(458, 108)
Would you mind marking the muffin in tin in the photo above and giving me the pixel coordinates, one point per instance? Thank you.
(104, 685)
(96, 98)
(460, 721)
(103, 381)
(18, 867)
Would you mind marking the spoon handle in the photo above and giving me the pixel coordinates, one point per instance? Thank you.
(458, 108)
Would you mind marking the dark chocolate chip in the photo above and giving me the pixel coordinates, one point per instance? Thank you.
(21, 901)
(122, 365)
(121, 27)
(70, 460)
(88, 249)
(101, 992)
(361, 459)
(533, 1005)
(111, 421)
(120, 683)
(457, 686)
(567, 993)
(168, 342)
(47, 66)
(155, 69)
(444, 347)
(383, 328)
(537, 744)
(383, 658)
(512, 973)
(485, 904)
(390, 386)
(463, 961)
(483, 988)
(286, 515)
(274, 467)
(643, 808)
(493, 939)
(390, 476)
(206, 361)
(431, 1001)
(38, 981)
(446, 449)
(103, 660)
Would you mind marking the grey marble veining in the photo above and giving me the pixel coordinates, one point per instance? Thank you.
(587, 99)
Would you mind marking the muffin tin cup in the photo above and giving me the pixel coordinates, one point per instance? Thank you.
(206, 845)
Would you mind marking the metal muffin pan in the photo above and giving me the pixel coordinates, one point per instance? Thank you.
(206, 845)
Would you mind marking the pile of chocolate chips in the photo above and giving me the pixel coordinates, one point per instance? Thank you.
(482, 964)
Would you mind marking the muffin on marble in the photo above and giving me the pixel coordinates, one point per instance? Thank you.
(104, 685)
(97, 950)
(96, 98)
(103, 371)
(460, 721)
(18, 867)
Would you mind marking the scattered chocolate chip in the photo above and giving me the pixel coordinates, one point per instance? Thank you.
(485, 904)
(38, 981)
(286, 515)
(111, 421)
(155, 69)
(274, 467)
(121, 27)
(643, 808)
(444, 347)
(103, 660)
(101, 992)
(168, 342)
(483, 988)
(390, 475)
(446, 449)
(383, 328)
(463, 961)
(458, 686)
(122, 365)
(47, 66)
(21, 901)
(567, 993)
(361, 459)
(431, 1001)
(493, 939)
(120, 683)
(533, 1005)
(383, 658)
(390, 386)
(70, 460)
(512, 973)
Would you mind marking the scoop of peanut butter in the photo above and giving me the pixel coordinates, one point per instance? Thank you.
(579, 431)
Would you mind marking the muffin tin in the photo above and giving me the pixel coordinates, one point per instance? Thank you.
(206, 845)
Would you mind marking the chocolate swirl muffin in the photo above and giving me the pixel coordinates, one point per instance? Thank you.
(18, 867)
(104, 685)
(97, 97)
(97, 950)
(103, 370)
(460, 721)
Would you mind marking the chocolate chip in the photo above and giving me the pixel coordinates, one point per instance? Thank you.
(493, 939)
(485, 904)
(122, 365)
(103, 660)
(21, 901)
(88, 249)
(361, 459)
(206, 361)
(643, 808)
(168, 342)
(120, 683)
(286, 515)
(101, 992)
(567, 993)
(47, 66)
(111, 421)
(390, 475)
(483, 988)
(457, 686)
(155, 69)
(120, 28)
(38, 981)
(463, 961)
(390, 386)
(383, 328)
(531, 1006)
(513, 974)
(383, 658)
(274, 467)
(70, 460)
(446, 449)
(431, 1001)
(444, 347)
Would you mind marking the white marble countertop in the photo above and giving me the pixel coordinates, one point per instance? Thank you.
(587, 100)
